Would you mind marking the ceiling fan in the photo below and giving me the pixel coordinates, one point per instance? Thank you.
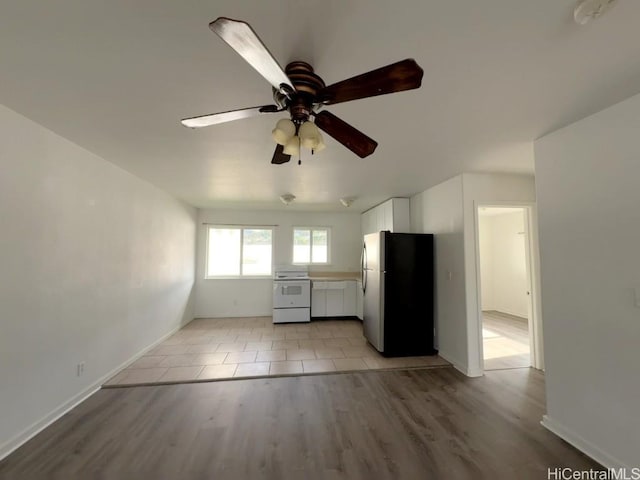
(302, 93)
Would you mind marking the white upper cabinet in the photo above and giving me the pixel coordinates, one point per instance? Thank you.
(392, 215)
(386, 209)
(401, 215)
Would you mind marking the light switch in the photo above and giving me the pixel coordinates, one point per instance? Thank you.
(637, 296)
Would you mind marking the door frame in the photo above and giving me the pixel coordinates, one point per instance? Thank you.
(532, 259)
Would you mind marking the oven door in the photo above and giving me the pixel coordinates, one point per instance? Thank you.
(291, 293)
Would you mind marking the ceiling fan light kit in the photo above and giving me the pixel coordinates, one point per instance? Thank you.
(302, 93)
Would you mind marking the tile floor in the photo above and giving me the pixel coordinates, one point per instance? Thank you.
(208, 349)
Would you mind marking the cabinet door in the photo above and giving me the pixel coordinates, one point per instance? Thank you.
(335, 302)
(386, 213)
(318, 303)
(349, 302)
(359, 300)
(401, 215)
(380, 218)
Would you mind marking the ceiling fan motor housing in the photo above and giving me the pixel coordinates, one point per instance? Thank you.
(304, 100)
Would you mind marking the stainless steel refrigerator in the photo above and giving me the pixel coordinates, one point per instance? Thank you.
(398, 288)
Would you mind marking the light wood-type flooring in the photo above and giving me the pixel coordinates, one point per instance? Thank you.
(505, 341)
(373, 425)
(213, 349)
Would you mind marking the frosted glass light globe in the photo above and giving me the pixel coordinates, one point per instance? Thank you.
(309, 135)
(321, 145)
(292, 147)
(285, 129)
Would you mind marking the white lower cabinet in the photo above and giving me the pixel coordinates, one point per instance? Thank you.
(335, 302)
(318, 302)
(349, 305)
(333, 298)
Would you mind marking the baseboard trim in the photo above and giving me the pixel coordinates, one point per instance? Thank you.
(216, 315)
(23, 437)
(506, 312)
(474, 372)
(28, 433)
(464, 369)
(581, 444)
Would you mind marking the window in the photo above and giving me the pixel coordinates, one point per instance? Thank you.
(238, 251)
(310, 245)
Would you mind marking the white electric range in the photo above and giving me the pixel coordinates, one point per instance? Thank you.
(291, 295)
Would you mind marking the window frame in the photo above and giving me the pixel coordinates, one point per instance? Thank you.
(311, 229)
(242, 228)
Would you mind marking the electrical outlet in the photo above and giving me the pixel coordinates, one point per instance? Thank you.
(80, 369)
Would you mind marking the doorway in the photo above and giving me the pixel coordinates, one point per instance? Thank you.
(505, 287)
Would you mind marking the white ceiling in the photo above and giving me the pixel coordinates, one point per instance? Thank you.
(115, 77)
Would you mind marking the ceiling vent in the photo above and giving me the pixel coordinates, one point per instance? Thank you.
(588, 10)
(287, 198)
(347, 201)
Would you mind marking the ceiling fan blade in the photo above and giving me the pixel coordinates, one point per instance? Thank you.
(397, 77)
(222, 117)
(353, 139)
(241, 37)
(279, 157)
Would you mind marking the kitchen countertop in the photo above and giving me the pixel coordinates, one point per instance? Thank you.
(333, 276)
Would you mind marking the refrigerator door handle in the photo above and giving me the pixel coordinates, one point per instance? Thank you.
(363, 263)
(364, 284)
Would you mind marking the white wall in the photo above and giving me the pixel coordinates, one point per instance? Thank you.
(587, 177)
(502, 263)
(448, 210)
(95, 265)
(253, 297)
(439, 211)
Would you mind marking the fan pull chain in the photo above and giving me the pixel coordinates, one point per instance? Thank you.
(299, 152)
